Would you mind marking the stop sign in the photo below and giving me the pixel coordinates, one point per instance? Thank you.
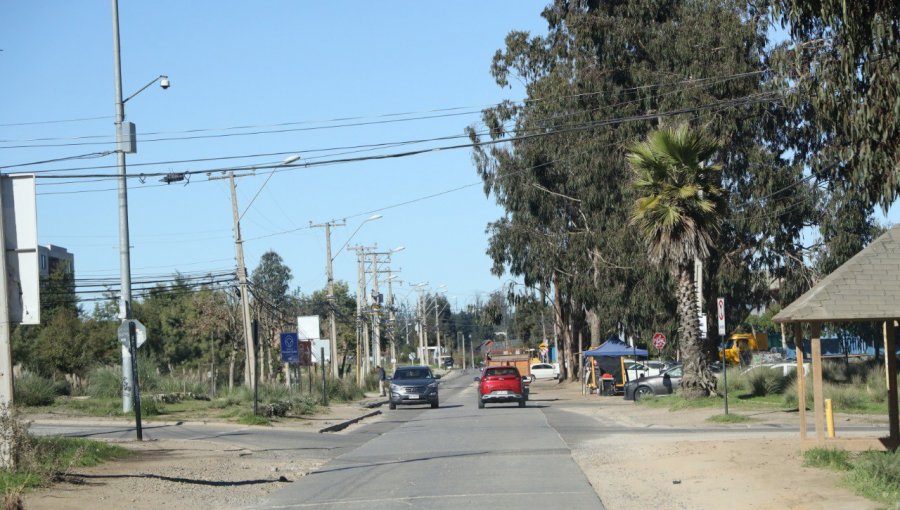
(659, 340)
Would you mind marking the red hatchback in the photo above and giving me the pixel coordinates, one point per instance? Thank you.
(501, 384)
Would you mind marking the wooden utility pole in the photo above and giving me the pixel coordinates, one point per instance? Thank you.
(250, 365)
(376, 313)
(332, 303)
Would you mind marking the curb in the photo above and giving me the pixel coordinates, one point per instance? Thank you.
(341, 426)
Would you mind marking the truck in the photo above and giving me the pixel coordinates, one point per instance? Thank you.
(739, 348)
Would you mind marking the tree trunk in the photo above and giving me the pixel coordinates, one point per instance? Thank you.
(593, 320)
(560, 323)
(232, 359)
(697, 381)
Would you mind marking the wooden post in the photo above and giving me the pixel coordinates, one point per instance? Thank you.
(801, 378)
(818, 389)
(891, 368)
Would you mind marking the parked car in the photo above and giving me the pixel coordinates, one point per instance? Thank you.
(636, 370)
(663, 384)
(784, 368)
(501, 384)
(414, 384)
(544, 371)
(656, 367)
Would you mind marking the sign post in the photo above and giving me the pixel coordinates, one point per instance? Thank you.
(720, 313)
(132, 335)
(136, 388)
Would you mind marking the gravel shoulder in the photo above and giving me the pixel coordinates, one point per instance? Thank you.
(712, 470)
(629, 471)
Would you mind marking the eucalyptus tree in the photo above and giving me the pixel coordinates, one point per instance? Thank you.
(842, 65)
(679, 210)
(270, 285)
(606, 73)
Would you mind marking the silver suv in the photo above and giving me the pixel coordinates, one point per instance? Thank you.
(414, 385)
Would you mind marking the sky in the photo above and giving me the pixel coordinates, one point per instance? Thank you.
(252, 83)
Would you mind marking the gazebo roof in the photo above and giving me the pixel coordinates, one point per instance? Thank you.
(865, 288)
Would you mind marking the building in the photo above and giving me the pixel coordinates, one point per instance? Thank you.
(50, 257)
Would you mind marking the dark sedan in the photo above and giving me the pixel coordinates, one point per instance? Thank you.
(662, 384)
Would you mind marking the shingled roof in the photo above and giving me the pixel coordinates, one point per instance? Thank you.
(865, 288)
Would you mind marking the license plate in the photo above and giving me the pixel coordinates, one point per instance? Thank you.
(412, 396)
(502, 392)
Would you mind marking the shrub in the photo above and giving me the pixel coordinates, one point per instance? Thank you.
(105, 382)
(846, 397)
(838, 460)
(34, 390)
(876, 475)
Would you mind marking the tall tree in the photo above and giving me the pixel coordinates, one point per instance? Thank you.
(606, 73)
(270, 284)
(679, 210)
(843, 69)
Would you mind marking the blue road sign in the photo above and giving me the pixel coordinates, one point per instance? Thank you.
(289, 351)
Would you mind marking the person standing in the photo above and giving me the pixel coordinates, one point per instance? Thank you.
(382, 379)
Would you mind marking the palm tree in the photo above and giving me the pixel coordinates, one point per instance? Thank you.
(678, 211)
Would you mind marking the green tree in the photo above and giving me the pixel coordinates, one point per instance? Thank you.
(606, 73)
(270, 284)
(678, 211)
(840, 69)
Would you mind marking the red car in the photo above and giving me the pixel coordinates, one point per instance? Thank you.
(501, 384)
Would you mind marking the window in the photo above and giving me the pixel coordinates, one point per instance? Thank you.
(43, 262)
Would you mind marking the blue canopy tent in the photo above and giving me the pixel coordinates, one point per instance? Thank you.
(615, 348)
(608, 359)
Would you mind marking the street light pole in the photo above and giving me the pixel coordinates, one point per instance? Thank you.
(125, 143)
(332, 303)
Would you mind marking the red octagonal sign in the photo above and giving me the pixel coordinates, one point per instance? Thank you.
(659, 340)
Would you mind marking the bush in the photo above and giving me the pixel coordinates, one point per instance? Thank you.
(838, 460)
(876, 475)
(105, 382)
(34, 390)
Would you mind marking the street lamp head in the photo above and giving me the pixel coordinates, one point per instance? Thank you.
(374, 217)
(399, 248)
(164, 82)
(290, 159)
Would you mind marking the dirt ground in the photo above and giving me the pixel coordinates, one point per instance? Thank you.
(667, 471)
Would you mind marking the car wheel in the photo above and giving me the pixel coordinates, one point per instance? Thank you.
(522, 403)
(643, 392)
(392, 405)
(435, 404)
(480, 403)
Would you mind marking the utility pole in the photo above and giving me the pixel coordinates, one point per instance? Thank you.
(360, 292)
(420, 317)
(392, 324)
(437, 330)
(362, 343)
(332, 303)
(250, 366)
(376, 313)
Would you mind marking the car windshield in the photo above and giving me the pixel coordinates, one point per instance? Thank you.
(412, 373)
(502, 371)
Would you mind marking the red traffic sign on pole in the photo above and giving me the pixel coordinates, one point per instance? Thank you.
(659, 341)
(720, 313)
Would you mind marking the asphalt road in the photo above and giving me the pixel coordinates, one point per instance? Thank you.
(500, 457)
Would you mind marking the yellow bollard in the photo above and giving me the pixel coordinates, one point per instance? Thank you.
(829, 418)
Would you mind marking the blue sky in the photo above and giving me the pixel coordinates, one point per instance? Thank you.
(286, 69)
(285, 66)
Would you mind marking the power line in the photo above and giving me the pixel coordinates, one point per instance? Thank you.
(356, 120)
(743, 101)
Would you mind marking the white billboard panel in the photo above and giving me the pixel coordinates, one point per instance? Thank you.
(308, 327)
(20, 236)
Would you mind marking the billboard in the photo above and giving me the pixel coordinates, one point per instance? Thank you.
(19, 215)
